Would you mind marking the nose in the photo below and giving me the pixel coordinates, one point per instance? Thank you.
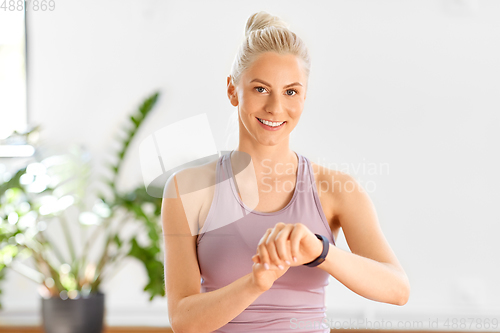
(273, 104)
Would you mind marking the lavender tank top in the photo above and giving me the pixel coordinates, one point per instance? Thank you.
(228, 240)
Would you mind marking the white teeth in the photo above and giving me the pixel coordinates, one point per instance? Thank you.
(268, 123)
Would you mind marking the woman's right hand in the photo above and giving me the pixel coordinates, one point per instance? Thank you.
(264, 278)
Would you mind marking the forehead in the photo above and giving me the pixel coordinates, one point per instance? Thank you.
(271, 66)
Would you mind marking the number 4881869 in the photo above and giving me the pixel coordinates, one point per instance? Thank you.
(34, 5)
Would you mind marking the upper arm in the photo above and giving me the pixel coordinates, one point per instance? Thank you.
(182, 274)
(359, 222)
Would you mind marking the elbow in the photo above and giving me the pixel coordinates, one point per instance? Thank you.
(177, 322)
(182, 327)
(177, 328)
(404, 293)
(181, 322)
(174, 325)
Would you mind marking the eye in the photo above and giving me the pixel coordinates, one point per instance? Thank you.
(257, 88)
(294, 92)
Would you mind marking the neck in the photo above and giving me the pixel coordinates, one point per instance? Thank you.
(268, 160)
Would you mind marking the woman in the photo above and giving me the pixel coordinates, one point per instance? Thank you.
(244, 270)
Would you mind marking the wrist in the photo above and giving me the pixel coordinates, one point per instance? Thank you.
(325, 246)
(319, 250)
(254, 287)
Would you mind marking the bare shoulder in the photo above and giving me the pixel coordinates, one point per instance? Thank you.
(190, 180)
(333, 178)
(337, 185)
(330, 183)
(195, 187)
(346, 195)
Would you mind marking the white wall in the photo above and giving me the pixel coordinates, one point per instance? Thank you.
(413, 84)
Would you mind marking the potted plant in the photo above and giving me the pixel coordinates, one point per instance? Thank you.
(45, 193)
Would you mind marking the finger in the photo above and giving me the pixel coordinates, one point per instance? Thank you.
(295, 237)
(264, 255)
(260, 267)
(271, 245)
(283, 244)
(256, 259)
(262, 250)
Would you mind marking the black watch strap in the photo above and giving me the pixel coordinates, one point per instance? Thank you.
(322, 256)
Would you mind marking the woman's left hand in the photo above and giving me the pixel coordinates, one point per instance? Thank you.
(281, 244)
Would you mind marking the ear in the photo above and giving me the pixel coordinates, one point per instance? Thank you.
(231, 92)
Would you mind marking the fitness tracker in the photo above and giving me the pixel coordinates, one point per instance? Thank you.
(322, 256)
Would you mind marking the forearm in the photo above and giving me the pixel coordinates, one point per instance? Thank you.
(369, 278)
(206, 312)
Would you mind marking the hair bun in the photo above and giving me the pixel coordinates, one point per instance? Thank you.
(262, 20)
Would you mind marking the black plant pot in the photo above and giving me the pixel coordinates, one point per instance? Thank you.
(81, 315)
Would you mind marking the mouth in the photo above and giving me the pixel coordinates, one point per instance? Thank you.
(271, 125)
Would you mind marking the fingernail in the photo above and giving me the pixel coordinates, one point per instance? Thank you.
(287, 262)
(294, 259)
(266, 265)
(280, 266)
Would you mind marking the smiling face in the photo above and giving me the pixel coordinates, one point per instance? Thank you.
(274, 89)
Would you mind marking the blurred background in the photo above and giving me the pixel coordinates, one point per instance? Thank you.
(403, 95)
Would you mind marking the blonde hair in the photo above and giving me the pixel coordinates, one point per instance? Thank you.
(267, 33)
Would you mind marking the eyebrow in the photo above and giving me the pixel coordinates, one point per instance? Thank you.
(267, 84)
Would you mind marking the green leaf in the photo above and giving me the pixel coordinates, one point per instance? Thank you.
(148, 104)
(118, 241)
(135, 121)
(154, 268)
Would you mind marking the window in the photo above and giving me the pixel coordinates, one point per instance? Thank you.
(13, 97)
